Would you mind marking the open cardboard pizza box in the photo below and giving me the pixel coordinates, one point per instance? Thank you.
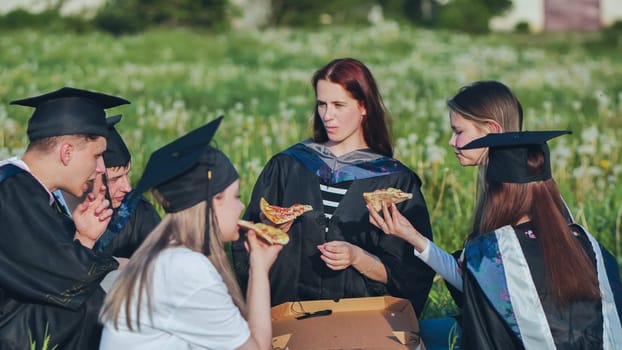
(355, 323)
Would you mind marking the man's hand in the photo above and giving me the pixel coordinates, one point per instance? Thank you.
(91, 217)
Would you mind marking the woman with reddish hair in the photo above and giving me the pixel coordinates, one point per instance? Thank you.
(529, 279)
(334, 251)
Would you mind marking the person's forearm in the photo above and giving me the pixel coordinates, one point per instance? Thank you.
(371, 267)
(417, 240)
(441, 262)
(258, 304)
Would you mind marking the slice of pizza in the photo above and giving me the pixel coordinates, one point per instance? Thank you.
(281, 215)
(268, 233)
(388, 195)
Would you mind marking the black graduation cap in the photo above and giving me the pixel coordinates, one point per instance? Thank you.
(69, 111)
(508, 152)
(181, 170)
(116, 154)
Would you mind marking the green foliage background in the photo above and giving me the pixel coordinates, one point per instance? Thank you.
(178, 79)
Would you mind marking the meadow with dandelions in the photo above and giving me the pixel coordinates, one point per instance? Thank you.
(180, 79)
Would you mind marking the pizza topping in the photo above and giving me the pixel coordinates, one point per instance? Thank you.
(281, 215)
(388, 195)
(268, 233)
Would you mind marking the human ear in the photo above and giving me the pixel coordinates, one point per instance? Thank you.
(494, 126)
(66, 152)
(362, 109)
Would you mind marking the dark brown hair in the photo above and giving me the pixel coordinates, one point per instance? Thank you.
(358, 81)
(47, 144)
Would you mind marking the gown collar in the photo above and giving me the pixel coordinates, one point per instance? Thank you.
(355, 165)
(21, 164)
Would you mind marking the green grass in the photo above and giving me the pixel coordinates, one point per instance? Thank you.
(180, 79)
(45, 345)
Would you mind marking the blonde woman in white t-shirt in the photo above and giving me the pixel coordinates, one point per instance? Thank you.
(179, 291)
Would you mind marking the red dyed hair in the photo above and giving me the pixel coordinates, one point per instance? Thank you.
(358, 81)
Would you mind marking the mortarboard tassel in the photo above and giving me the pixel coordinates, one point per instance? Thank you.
(208, 218)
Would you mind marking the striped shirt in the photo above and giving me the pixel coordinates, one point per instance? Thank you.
(332, 195)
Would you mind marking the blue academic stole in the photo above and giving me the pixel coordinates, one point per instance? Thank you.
(8, 170)
(119, 220)
(358, 171)
(498, 264)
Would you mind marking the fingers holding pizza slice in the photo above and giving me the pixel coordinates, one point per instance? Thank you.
(281, 215)
(387, 195)
(268, 233)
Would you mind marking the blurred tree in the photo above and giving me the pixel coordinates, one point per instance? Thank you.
(414, 11)
(464, 15)
(123, 16)
(308, 13)
(471, 16)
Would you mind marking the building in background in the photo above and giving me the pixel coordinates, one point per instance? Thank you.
(67, 7)
(558, 15)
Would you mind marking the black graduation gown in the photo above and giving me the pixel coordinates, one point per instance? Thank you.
(579, 326)
(457, 295)
(300, 274)
(142, 221)
(47, 280)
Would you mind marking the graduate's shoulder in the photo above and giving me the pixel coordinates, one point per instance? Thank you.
(401, 170)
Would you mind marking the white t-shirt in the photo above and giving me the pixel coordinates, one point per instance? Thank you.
(191, 309)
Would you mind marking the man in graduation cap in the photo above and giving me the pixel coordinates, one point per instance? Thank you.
(133, 215)
(50, 278)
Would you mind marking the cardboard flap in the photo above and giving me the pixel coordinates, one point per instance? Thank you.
(407, 337)
(280, 342)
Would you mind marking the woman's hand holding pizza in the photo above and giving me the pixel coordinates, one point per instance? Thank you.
(262, 254)
(392, 222)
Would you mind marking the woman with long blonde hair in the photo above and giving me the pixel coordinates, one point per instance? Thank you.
(179, 291)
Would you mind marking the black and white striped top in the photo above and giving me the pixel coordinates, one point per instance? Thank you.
(332, 196)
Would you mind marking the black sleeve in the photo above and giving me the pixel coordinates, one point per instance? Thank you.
(268, 185)
(40, 260)
(143, 220)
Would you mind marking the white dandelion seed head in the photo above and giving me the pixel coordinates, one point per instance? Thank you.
(435, 154)
(590, 134)
(412, 138)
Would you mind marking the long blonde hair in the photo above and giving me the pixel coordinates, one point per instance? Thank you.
(184, 228)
